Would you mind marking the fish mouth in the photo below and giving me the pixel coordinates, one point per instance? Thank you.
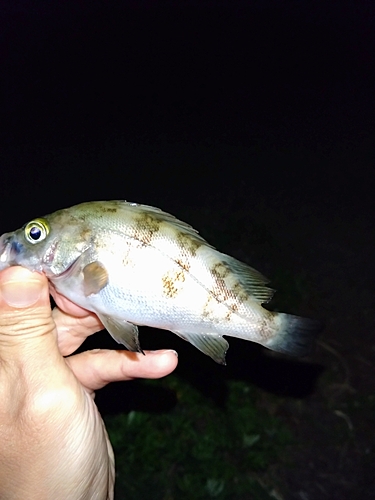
(6, 253)
(9, 251)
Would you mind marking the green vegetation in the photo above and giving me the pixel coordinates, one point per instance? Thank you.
(197, 450)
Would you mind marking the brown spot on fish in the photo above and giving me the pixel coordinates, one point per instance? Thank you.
(220, 289)
(228, 315)
(86, 234)
(172, 283)
(127, 258)
(226, 289)
(239, 293)
(234, 308)
(208, 312)
(188, 243)
(184, 264)
(267, 325)
(215, 311)
(146, 225)
(220, 270)
(109, 209)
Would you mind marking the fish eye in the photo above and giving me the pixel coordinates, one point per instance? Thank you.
(36, 230)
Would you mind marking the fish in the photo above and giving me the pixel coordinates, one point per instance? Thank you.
(136, 265)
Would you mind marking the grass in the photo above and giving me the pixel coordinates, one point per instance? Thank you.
(196, 450)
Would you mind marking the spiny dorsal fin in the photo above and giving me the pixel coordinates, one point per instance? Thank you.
(163, 217)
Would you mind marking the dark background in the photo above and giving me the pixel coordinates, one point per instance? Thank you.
(234, 116)
(186, 103)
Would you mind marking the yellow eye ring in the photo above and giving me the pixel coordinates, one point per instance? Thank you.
(36, 230)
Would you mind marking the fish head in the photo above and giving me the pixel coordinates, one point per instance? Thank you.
(48, 244)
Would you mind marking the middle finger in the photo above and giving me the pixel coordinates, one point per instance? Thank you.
(73, 331)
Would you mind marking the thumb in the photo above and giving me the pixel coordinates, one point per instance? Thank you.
(25, 311)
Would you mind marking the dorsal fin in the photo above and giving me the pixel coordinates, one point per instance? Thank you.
(162, 216)
(253, 282)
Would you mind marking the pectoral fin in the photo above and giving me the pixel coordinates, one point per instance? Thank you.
(95, 277)
(122, 331)
(211, 344)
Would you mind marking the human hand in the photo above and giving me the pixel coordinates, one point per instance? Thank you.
(53, 441)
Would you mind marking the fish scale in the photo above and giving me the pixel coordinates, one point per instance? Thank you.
(135, 265)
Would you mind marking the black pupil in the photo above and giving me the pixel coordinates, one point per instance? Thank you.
(35, 233)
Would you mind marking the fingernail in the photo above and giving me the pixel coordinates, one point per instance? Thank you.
(21, 294)
(164, 351)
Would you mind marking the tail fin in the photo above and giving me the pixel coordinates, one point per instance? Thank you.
(296, 336)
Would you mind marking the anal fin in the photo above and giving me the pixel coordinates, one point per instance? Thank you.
(122, 331)
(212, 344)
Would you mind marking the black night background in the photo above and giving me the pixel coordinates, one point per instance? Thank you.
(254, 122)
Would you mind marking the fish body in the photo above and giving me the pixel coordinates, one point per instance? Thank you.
(135, 265)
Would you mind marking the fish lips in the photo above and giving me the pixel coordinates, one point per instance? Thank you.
(9, 251)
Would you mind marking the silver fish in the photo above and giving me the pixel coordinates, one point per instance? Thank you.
(134, 265)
